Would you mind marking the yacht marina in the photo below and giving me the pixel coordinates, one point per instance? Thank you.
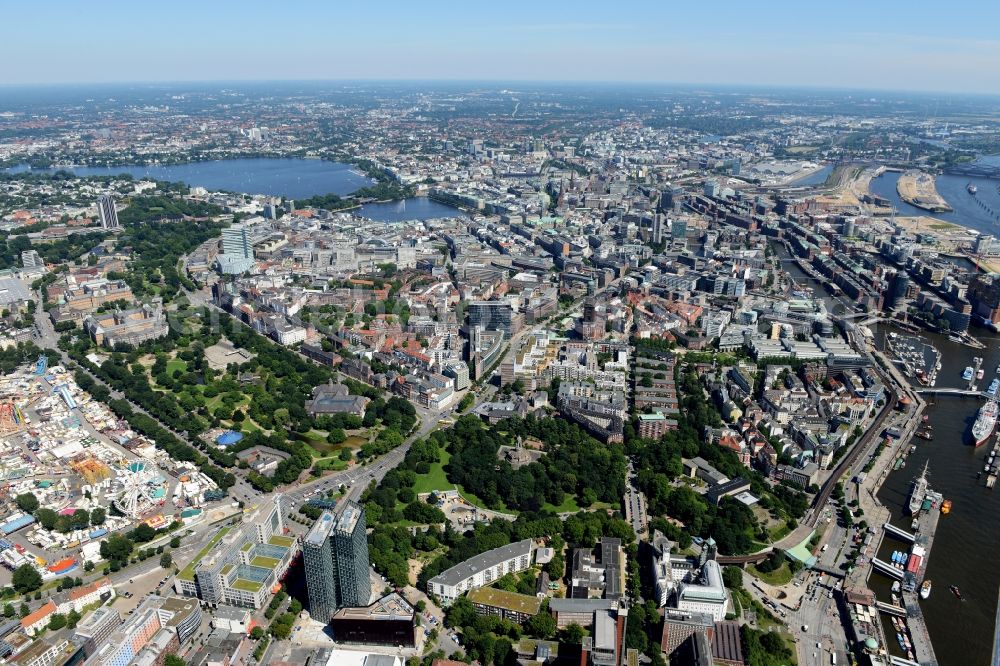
(917, 358)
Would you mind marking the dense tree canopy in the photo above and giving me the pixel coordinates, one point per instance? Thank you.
(575, 464)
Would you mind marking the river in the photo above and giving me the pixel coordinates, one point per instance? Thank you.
(817, 177)
(970, 211)
(967, 538)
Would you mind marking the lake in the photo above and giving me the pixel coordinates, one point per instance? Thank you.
(416, 208)
(286, 177)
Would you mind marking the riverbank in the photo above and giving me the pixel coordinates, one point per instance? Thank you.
(919, 189)
(850, 185)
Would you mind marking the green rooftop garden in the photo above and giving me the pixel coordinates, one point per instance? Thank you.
(246, 585)
(265, 562)
(187, 573)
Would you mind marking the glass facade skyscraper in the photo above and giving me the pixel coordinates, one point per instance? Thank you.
(335, 557)
(351, 550)
(321, 576)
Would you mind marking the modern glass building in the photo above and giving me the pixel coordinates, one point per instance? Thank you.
(351, 548)
(321, 575)
(107, 212)
(335, 556)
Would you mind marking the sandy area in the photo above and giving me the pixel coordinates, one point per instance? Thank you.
(920, 189)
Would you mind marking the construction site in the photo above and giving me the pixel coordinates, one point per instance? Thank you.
(919, 189)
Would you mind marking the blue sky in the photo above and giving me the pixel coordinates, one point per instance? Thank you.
(911, 45)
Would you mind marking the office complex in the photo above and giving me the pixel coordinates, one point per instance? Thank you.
(31, 259)
(242, 565)
(107, 212)
(687, 584)
(492, 316)
(351, 547)
(96, 628)
(335, 554)
(157, 628)
(237, 250)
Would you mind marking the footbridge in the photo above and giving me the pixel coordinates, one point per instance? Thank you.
(901, 534)
(898, 611)
(887, 569)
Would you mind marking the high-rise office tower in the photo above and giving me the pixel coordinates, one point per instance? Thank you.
(491, 316)
(236, 241)
(31, 259)
(107, 212)
(659, 220)
(321, 573)
(351, 552)
(335, 556)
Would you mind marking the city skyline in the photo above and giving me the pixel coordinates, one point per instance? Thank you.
(857, 47)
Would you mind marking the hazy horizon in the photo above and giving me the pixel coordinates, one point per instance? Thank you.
(855, 46)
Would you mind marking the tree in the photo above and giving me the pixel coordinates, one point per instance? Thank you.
(143, 533)
(57, 621)
(166, 560)
(174, 660)
(732, 577)
(24, 610)
(257, 633)
(9, 610)
(573, 634)
(72, 618)
(116, 548)
(97, 516)
(541, 625)
(27, 502)
(46, 518)
(175, 542)
(26, 579)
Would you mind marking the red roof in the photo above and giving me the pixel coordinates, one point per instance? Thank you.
(80, 592)
(48, 608)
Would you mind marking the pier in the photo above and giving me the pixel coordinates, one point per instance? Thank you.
(927, 523)
(922, 648)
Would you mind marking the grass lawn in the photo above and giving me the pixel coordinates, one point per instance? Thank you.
(331, 463)
(188, 572)
(277, 540)
(778, 532)
(249, 425)
(435, 479)
(569, 504)
(779, 576)
(176, 364)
